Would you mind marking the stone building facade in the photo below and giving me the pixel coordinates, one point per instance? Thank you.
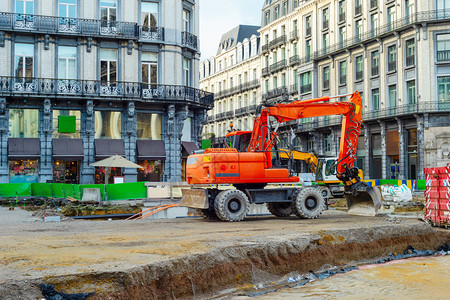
(396, 53)
(233, 75)
(82, 80)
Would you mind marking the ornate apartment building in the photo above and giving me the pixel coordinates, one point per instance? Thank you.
(233, 75)
(396, 53)
(82, 80)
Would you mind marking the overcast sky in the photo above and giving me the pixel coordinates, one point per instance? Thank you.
(220, 16)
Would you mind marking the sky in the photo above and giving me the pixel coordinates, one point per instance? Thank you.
(220, 16)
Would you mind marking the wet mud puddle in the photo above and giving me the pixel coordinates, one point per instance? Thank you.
(415, 278)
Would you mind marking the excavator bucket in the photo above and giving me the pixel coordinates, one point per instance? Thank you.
(363, 200)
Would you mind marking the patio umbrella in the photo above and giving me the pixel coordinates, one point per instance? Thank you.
(115, 161)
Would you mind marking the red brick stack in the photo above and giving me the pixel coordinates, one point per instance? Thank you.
(438, 196)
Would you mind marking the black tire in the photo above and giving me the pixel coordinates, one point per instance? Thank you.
(207, 214)
(326, 193)
(280, 209)
(309, 204)
(231, 205)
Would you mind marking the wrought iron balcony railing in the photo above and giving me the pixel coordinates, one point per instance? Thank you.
(306, 88)
(265, 48)
(13, 86)
(443, 55)
(293, 89)
(265, 71)
(294, 60)
(326, 84)
(190, 40)
(294, 34)
(392, 66)
(68, 26)
(151, 33)
(277, 41)
(278, 66)
(410, 60)
(375, 71)
(359, 75)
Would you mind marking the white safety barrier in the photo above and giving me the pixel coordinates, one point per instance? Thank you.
(396, 193)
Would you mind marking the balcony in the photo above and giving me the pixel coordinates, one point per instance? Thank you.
(265, 71)
(211, 118)
(359, 75)
(189, 40)
(151, 34)
(73, 88)
(264, 48)
(293, 89)
(252, 109)
(443, 55)
(343, 80)
(67, 26)
(392, 66)
(277, 42)
(411, 60)
(278, 66)
(306, 88)
(278, 92)
(294, 34)
(229, 114)
(375, 71)
(293, 60)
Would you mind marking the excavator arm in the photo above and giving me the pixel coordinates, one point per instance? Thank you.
(263, 139)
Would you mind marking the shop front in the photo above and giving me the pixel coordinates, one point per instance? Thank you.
(151, 155)
(105, 148)
(23, 157)
(67, 158)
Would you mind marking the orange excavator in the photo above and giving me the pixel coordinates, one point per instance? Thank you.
(250, 170)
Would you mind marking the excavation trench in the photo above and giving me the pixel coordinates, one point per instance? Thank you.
(233, 267)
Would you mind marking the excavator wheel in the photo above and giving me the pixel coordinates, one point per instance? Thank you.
(231, 205)
(326, 193)
(280, 209)
(309, 204)
(207, 214)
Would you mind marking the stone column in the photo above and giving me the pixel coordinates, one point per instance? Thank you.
(420, 147)
(367, 152)
(88, 137)
(402, 149)
(45, 139)
(4, 131)
(384, 165)
(199, 121)
(129, 136)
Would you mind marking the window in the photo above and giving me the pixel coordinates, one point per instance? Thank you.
(392, 58)
(108, 125)
(411, 91)
(108, 13)
(342, 36)
(23, 123)
(67, 8)
(267, 85)
(267, 17)
(444, 89)
(254, 98)
(375, 99)
(255, 74)
(409, 6)
(358, 7)
(295, 45)
(23, 62)
(277, 12)
(67, 62)
(326, 77)
(187, 72)
(325, 17)
(374, 23)
(275, 82)
(359, 68)
(108, 66)
(149, 67)
(308, 25)
(25, 7)
(283, 80)
(410, 52)
(149, 14)
(391, 16)
(186, 20)
(325, 43)
(343, 72)
(341, 11)
(375, 62)
(305, 83)
(308, 50)
(285, 8)
(358, 29)
(443, 4)
(392, 96)
(443, 47)
(56, 124)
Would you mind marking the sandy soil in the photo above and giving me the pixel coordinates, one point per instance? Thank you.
(34, 251)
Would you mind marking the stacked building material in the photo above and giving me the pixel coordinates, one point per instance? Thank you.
(438, 196)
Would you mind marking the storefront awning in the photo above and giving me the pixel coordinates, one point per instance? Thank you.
(150, 150)
(188, 148)
(19, 148)
(106, 148)
(68, 149)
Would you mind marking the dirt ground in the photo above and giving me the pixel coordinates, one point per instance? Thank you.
(33, 251)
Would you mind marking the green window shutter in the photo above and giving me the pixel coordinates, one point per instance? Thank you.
(67, 124)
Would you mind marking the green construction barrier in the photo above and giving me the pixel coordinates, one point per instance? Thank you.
(124, 191)
(41, 189)
(93, 186)
(57, 190)
(15, 189)
(421, 185)
(76, 192)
